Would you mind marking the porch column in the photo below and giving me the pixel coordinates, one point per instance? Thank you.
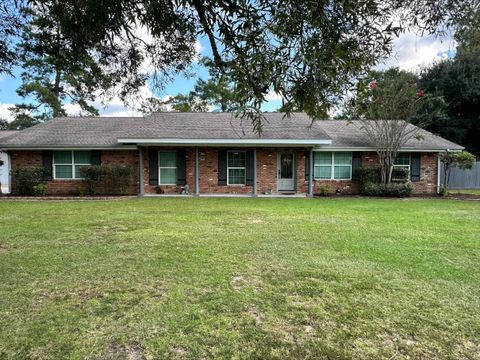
(197, 189)
(141, 176)
(310, 174)
(254, 191)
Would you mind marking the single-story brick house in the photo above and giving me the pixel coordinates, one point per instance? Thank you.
(216, 153)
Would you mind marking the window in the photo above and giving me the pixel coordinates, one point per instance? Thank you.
(236, 168)
(167, 168)
(333, 165)
(401, 167)
(323, 165)
(67, 164)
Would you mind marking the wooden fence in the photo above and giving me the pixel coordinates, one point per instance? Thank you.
(463, 179)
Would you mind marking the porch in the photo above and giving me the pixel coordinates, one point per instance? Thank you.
(225, 171)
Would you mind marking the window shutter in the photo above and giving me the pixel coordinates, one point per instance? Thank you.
(415, 166)
(307, 164)
(222, 167)
(181, 167)
(249, 170)
(47, 162)
(96, 157)
(356, 165)
(153, 167)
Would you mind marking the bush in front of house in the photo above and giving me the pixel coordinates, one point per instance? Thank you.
(324, 190)
(107, 179)
(40, 189)
(92, 175)
(119, 178)
(27, 180)
(400, 175)
(389, 190)
(368, 175)
(370, 183)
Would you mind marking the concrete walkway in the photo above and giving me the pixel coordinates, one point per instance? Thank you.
(301, 195)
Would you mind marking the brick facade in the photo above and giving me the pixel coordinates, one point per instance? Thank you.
(71, 187)
(426, 185)
(208, 172)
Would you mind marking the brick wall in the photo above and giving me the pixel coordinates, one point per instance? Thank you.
(208, 176)
(426, 185)
(70, 187)
(428, 171)
(208, 172)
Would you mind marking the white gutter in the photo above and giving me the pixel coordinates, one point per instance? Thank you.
(328, 148)
(241, 142)
(69, 147)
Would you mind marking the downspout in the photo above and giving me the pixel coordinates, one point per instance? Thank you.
(438, 173)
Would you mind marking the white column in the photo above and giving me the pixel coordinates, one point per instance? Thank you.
(310, 174)
(197, 189)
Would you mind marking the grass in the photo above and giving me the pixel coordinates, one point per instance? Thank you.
(240, 278)
(465, 191)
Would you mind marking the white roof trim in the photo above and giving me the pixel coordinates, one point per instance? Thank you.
(69, 147)
(373, 149)
(224, 142)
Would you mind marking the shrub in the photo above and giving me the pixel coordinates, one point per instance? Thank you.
(40, 189)
(114, 179)
(390, 190)
(368, 175)
(400, 175)
(324, 190)
(119, 178)
(92, 175)
(79, 190)
(443, 191)
(26, 178)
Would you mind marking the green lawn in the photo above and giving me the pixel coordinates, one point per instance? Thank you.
(240, 278)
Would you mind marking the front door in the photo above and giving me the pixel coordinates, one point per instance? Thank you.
(286, 172)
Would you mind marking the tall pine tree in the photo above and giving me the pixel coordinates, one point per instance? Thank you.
(55, 72)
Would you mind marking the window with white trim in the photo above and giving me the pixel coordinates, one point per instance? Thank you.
(236, 167)
(402, 163)
(67, 164)
(332, 165)
(167, 167)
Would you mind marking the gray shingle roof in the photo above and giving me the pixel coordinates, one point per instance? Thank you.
(105, 131)
(4, 134)
(346, 134)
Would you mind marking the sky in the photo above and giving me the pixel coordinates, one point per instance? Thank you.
(411, 52)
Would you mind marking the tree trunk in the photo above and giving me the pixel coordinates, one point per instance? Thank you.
(390, 171)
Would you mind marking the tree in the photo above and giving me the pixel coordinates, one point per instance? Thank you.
(386, 107)
(456, 80)
(53, 72)
(218, 91)
(179, 102)
(3, 124)
(10, 25)
(306, 51)
(463, 160)
(22, 118)
(214, 94)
